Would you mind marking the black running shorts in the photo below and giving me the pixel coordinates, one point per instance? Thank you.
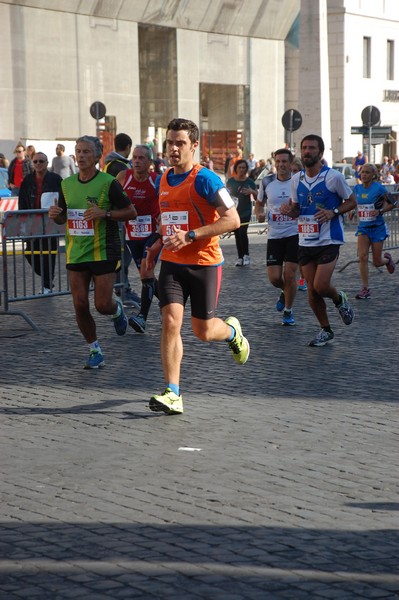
(96, 267)
(177, 283)
(319, 255)
(282, 250)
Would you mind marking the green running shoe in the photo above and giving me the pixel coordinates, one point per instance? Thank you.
(239, 345)
(168, 402)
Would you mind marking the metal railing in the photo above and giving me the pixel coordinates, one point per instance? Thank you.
(33, 259)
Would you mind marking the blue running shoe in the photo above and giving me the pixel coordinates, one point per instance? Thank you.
(280, 304)
(288, 318)
(120, 322)
(345, 310)
(138, 323)
(302, 285)
(95, 360)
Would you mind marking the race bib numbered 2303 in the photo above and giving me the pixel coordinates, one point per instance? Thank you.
(308, 228)
(77, 225)
(277, 217)
(179, 218)
(139, 229)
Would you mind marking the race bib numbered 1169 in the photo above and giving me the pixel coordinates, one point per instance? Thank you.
(139, 229)
(308, 228)
(77, 225)
(179, 218)
(364, 212)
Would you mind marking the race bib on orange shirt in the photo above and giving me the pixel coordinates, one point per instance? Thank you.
(179, 218)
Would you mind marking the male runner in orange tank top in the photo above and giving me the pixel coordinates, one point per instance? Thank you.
(196, 209)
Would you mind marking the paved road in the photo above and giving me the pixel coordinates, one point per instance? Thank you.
(279, 481)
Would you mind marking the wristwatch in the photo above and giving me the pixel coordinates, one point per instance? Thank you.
(108, 214)
(336, 212)
(191, 235)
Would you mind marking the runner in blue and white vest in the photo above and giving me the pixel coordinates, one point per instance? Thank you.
(319, 198)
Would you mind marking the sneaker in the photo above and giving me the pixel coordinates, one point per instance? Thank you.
(239, 345)
(322, 338)
(239, 262)
(363, 294)
(46, 291)
(168, 402)
(246, 261)
(120, 322)
(345, 310)
(288, 318)
(280, 304)
(390, 264)
(95, 360)
(302, 285)
(138, 323)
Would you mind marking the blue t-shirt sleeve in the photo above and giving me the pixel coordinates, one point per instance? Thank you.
(157, 184)
(207, 184)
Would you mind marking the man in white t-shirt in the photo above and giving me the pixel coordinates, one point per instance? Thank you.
(282, 234)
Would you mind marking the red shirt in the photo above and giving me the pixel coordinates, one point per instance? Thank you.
(144, 198)
(18, 173)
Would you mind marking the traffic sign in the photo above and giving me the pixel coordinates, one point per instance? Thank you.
(371, 116)
(98, 110)
(291, 120)
(363, 130)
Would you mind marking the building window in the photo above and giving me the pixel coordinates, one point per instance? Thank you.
(390, 59)
(367, 57)
(158, 77)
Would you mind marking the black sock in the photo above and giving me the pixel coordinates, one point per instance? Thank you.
(147, 294)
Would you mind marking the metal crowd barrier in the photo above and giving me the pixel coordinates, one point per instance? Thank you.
(28, 239)
(253, 226)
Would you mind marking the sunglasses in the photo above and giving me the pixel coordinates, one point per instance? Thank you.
(39, 161)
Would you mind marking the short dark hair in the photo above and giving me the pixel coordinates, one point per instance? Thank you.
(285, 151)
(122, 141)
(185, 125)
(238, 163)
(314, 138)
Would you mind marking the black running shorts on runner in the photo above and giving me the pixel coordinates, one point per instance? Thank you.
(279, 251)
(320, 255)
(177, 283)
(96, 267)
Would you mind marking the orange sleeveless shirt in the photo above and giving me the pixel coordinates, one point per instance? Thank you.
(182, 205)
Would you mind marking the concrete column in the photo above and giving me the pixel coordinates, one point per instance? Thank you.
(314, 81)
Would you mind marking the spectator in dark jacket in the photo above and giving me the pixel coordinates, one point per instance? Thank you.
(40, 189)
(19, 167)
(118, 160)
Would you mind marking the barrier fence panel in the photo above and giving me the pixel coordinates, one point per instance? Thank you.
(33, 258)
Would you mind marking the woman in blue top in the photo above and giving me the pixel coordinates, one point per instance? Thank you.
(372, 203)
(242, 188)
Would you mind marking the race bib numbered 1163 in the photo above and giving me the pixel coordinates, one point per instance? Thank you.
(77, 225)
(139, 229)
(179, 218)
(308, 228)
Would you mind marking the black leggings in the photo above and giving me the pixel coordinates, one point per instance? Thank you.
(242, 242)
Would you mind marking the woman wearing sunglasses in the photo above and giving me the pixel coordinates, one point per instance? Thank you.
(38, 190)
